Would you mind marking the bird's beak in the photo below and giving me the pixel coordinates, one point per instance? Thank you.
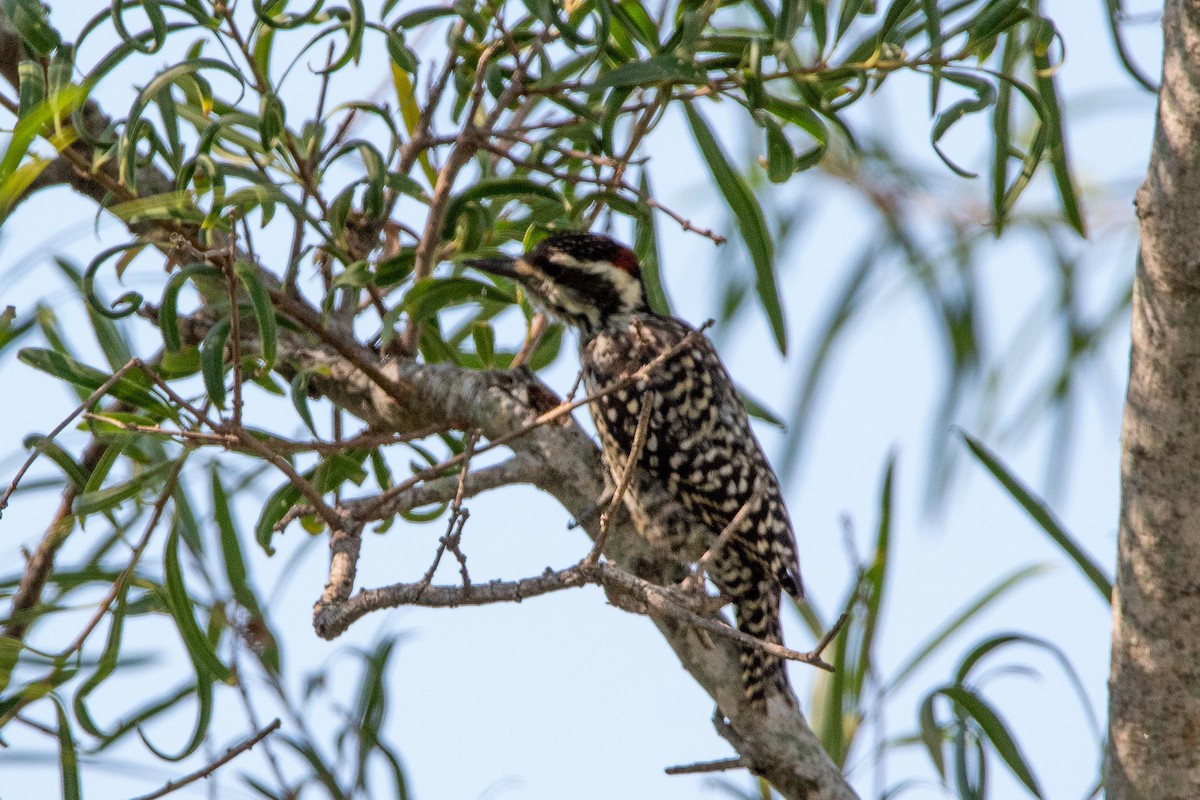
(503, 266)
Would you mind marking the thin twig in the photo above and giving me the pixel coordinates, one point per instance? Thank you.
(235, 331)
(175, 398)
(332, 619)
(122, 580)
(209, 769)
(331, 517)
(724, 765)
(831, 634)
(367, 439)
(714, 550)
(521, 468)
(537, 327)
(635, 452)
(101, 390)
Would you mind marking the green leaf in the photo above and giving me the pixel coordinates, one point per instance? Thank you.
(985, 96)
(966, 614)
(300, 398)
(203, 689)
(32, 87)
(264, 313)
(875, 578)
(485, 342)
(494, 189)
(94, 502)
(757, 409)
(104, 667)
(664, 68)
(29, 19)
(996, 731)
(212, 361)
(1043, 80)
(11, 328)
(430, 295)
(279, 503)
(231, 548)
(819, 12)
(10, 651)
(645, 244)
(897, 12)
(849, 13)
(199, 647)
(751, 223)
(168, 314)
(423, 16)
(68, 757)
(65, 461)
(88, 378)
(1041, 515)
(781, 161)
(272, 119)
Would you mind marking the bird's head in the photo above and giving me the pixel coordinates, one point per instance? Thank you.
(587, 280)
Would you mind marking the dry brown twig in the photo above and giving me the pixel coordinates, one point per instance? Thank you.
(209, 769)
(627, 473)
(701, 767)
(41, 446)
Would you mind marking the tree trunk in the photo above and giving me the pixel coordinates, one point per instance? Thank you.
(1154, 714)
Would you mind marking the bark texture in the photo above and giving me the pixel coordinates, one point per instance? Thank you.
(1154, 714)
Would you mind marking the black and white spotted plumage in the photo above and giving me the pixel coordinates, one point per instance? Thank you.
(699, 448)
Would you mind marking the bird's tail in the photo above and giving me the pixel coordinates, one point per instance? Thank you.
(763, 674)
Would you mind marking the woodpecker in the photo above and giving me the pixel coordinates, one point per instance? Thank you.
(698, 447)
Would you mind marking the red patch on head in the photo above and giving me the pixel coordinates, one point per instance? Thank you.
(625, 260)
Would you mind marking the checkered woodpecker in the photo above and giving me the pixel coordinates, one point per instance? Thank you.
(698, 444)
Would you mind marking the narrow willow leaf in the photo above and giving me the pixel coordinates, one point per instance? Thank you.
(1041, 515)
(965, 615)
(751, 223)
(645, 244)
(985, 96)
(279, 503)
(430, 295)
(203, 691)
(32, 87)
(1002, 133)
(104, 667)
(231, 547)
(272, 119)
(997, 733)
(484, 338)
(300, 399)
(88, 378)
(199, 647)
(212, 361)
(664, 68)
(781, 161)
(819, 13)
(95, 502)
(850, 9)
(1043, 79)
(264, 313)
(65, 461)
(28, 17)
(168, 314)
(68, 756)
(10, 651)
(875, 579)
(758, 410)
